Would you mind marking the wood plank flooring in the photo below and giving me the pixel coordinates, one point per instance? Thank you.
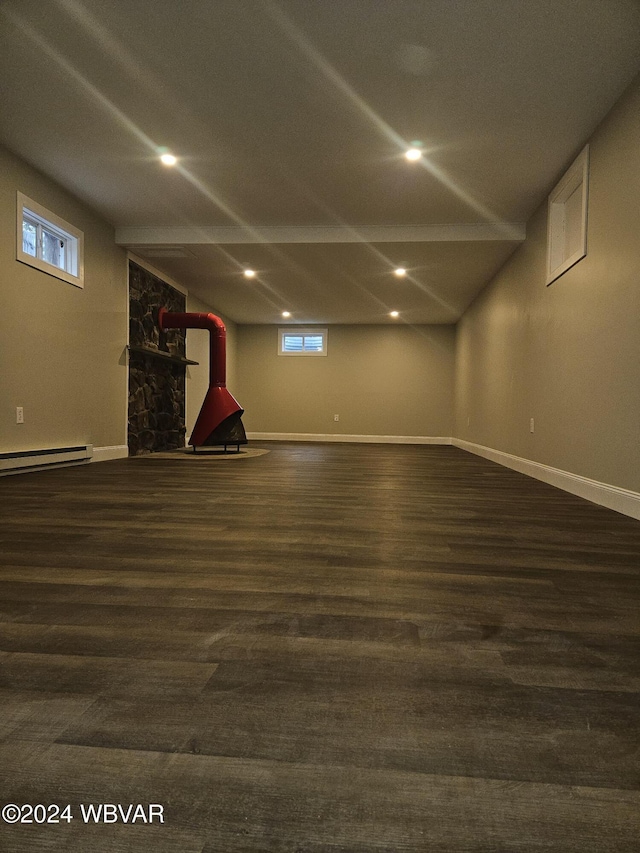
(324, 649)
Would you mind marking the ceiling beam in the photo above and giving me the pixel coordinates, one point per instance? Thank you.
(226, 235)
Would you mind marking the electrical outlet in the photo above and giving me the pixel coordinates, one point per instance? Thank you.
(19, 415)
(336, 417)
(531, 426)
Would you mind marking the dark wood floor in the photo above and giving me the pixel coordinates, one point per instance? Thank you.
(324, 649)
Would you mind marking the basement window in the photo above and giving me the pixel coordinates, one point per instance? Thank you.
(302, 342)
(48, 243)
(567, 219)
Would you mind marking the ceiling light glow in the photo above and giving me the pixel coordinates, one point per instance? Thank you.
(413, 154)
(249, 273)
(400, 271)
(286, 313)
(168, 159)
(394, 313)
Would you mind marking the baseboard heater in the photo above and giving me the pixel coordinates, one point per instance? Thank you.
(22, 460)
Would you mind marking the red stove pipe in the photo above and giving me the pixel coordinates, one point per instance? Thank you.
(217, 338)
(218, 403)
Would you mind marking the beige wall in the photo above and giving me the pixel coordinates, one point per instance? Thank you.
(567, 355)
(381, 380)
(62, 348)
(198, 350)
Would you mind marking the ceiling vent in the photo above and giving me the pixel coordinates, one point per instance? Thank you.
(163, 252)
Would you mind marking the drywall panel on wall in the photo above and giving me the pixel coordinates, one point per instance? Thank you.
(379, 380)
(62, 348)
(567, 355)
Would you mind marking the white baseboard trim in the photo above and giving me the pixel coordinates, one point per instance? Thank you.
(613, 497)
(38, 459)
(113, 451)
(357, 439)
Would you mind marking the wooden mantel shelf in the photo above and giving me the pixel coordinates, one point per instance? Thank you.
(165, 356)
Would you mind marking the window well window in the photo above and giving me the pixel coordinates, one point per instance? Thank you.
(567, 225)
(293, 341)
(48, 243)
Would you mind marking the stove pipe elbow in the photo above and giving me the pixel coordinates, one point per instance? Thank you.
(217, 337)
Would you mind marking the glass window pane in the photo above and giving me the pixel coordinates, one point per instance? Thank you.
(29, 233)
(52, 249)
(313, 343)
(302, 342)
(292, 343)
(46, 243)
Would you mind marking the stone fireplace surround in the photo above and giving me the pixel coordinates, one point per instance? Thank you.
(157, 365)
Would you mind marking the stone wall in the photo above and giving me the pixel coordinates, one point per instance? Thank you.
(156, 383)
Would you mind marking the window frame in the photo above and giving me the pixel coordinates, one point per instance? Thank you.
(304, 331)
(575, 179)
(47, 221)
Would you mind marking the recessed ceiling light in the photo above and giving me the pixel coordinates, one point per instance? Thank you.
(286, 313)
(249, 273)
(168, 159)
(413, 154)
(399, 271)
(394, 313)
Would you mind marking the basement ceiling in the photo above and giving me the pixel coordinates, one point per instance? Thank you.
(290, 120)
